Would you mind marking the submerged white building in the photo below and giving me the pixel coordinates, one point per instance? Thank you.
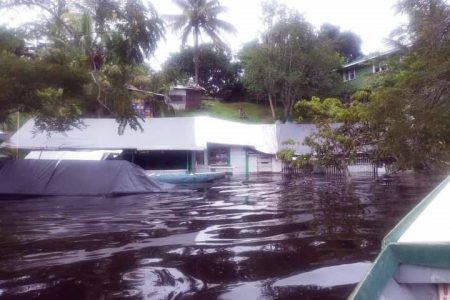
(197, 144)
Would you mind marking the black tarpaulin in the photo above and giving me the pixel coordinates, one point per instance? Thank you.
(74, 178)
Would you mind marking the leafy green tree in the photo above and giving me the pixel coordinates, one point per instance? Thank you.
(9, 42)
(200, 16)
(411, 110)
(28, 85)
(259, 75)
(337, 144)
(104, 40)
(406, 116)
(216, 73)
(290, 62)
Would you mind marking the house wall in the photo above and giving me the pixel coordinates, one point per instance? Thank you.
(363, 72)
(193, 99)
(178, 105)
(238, 159)
(277, 165)
(253, 162)
(245, 161)
(264, 163)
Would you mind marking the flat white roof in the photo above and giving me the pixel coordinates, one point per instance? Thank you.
(71, 155)
(187, 133)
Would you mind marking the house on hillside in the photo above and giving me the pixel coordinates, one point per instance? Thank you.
(359, 72)
(185, 97)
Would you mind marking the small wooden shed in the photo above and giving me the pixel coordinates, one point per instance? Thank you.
(185, 97)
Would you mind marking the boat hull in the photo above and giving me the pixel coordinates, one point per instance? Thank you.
(414, 262)
(186, 177)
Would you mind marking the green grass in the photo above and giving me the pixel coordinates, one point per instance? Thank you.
(256, 113)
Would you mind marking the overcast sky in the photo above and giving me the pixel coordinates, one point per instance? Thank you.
(372, 20)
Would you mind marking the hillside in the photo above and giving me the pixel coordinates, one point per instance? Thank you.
(256, 113)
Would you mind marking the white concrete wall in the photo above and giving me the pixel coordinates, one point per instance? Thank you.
(253, 163)
(264, 163)
(237, 159)
(277, 165)
(360, 168)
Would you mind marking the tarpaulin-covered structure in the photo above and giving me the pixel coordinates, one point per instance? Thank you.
(73, 178)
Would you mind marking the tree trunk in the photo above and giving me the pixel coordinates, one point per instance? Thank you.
(348, 176)
(196, 54)
(286, 111)
(272, 109)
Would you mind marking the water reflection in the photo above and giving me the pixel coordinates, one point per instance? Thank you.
(263, 238)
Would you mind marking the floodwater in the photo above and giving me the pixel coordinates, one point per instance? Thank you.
(267, 237)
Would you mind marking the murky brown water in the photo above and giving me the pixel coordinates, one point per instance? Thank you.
(268, 237)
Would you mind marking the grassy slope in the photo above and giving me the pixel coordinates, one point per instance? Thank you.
(256, 113)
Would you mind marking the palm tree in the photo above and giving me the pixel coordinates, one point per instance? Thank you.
(200, 16)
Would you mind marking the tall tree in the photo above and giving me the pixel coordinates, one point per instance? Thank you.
(411, 111)
(216, 72)
(109, 38)
(46, 88)
(289, 63)
(200, 16)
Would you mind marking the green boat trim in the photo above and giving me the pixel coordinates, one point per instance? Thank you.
(186, 177)
(395, 253)
(384, 267)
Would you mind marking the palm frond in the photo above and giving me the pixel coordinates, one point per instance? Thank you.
(183, 4)
(176, 22)
(186, 32)
(217, 10)
(211, 32)
(223, 25)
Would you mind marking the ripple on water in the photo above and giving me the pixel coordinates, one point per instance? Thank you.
(267, 236)
(123, 294)
(23, 289)
(161, 283)
(148, 261)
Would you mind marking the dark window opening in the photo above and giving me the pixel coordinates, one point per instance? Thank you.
(176, 98)
(219, 156)
(349, 75)
(199, 157)
(158, 160)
